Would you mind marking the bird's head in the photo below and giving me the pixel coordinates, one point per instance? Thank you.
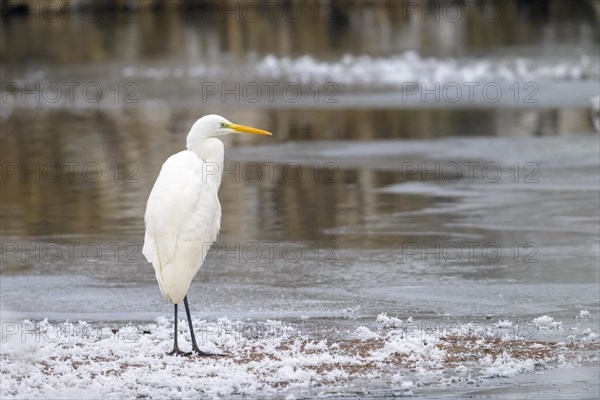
(215, 126)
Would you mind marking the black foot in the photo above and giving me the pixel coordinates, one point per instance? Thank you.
(198, 352)
(177, 352)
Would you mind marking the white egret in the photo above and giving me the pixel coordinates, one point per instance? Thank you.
(183, 214)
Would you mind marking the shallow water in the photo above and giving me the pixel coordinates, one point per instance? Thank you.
(447, 213)
(506, 225)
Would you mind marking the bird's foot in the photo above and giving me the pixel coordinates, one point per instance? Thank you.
(177, 352)
(198, 352)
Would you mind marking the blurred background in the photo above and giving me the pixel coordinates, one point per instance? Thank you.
(363, 98)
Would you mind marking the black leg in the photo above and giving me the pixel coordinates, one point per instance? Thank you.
(195, 348)
(176, 350)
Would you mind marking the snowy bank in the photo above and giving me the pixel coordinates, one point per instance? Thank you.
(80, 360)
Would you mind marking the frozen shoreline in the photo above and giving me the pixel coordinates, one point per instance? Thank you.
(42, 359)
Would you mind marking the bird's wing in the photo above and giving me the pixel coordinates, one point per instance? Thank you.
(183, 211)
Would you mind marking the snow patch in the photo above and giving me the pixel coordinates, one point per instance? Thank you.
(547, 322)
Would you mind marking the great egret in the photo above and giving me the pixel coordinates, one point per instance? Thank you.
(183, 214)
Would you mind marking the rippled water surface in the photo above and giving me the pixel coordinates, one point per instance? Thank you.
(370, 204)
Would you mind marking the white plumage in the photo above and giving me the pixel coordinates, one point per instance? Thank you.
(183, 218)
(183, 214)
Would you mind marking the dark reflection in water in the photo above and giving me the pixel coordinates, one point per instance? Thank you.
(91, 174)
(320, 29)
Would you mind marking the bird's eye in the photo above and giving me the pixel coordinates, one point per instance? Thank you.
(222, 124)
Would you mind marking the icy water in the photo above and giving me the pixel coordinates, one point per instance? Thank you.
(448, 213)
(357, 227)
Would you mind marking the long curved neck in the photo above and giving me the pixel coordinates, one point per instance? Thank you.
(196, 139)
(212, 152)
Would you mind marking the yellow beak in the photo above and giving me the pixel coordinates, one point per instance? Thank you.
(247, 129)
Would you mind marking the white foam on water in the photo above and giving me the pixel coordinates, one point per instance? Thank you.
(408, 72)
(380, 72)
(397, 71)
